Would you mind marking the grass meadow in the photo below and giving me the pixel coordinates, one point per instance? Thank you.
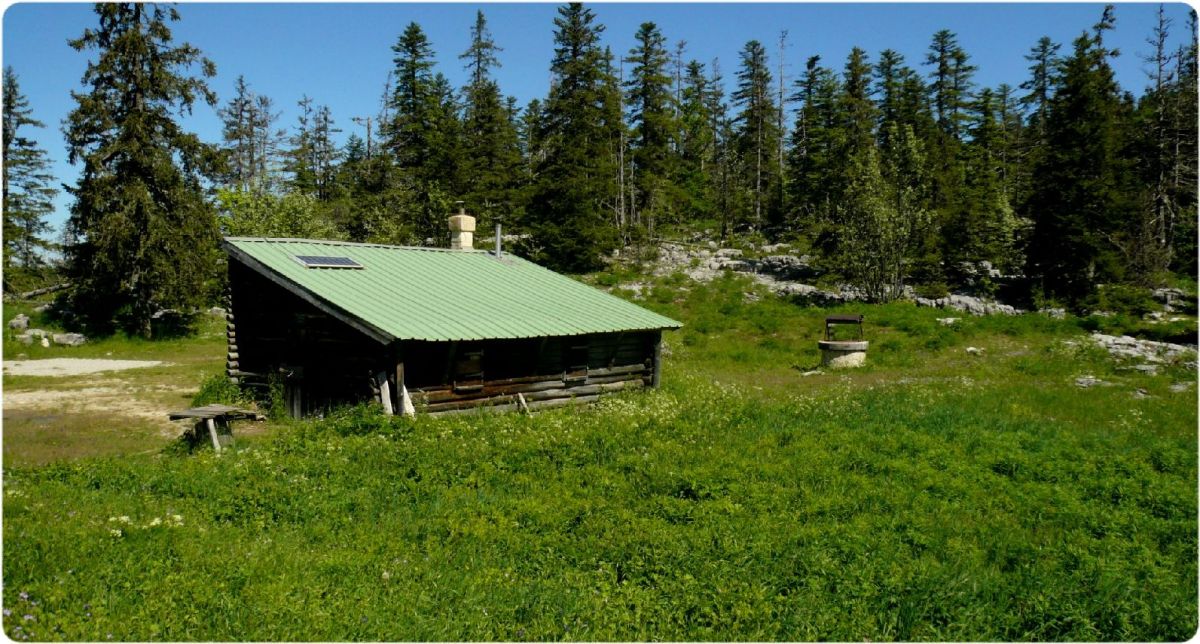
(936, 494)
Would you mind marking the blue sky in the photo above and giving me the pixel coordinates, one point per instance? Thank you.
(339, 54)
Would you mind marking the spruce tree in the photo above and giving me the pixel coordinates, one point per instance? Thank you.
(652, 120)
(982, 225)
(28, 193)
(1081, 194)
(1165, 135)
(756, 135)
(697, 142)
(251, 140)
(491, 154)
(575, 182)
(143, 237)
(951, 81)
(814, 146)
(1043, 77)
(413, 98)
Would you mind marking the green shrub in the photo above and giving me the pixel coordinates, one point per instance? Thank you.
(1123, 298)
(217, 388)
(934, 290)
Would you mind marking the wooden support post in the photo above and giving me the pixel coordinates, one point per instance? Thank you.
(212, 433)
(657, 373)
(385, 396)
(521, 404)
(406, 403)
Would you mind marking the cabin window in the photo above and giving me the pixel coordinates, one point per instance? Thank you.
(468, 369)
(576, 358)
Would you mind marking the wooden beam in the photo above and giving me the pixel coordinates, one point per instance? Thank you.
(533, 406)
(385, 395)
(212, 433)
(657, 373)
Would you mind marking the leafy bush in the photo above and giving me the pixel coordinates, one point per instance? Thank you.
(217, 388)
(934, 290)
(1123, 298)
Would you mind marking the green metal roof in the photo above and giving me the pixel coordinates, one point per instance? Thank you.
(437, 294)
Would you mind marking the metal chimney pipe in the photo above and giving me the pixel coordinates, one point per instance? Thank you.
(497, 238)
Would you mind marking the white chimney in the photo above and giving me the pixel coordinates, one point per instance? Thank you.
(462, 230)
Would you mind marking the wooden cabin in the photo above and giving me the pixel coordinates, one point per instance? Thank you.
(427, 330)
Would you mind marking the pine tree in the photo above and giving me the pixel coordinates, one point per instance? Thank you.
(814, 146)
(491, 154)
(951, 81)
(143, 238)
(576, 183)
(725, 161)
(28, 193)
(652, 122)
(325, 154)
(413, 98)
(1081, 194)
(857, 112)
(756, 136)
(300, 158)
(1162, 160)
(889, 78)
(251, 140)
(1043, 77)
(982, 225)
(697, 142)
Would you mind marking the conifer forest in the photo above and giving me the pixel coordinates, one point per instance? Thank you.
(894, 174)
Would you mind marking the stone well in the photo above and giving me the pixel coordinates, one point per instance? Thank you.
(840, 354)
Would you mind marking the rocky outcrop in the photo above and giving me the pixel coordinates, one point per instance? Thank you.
(968, 304)
(1142, 350)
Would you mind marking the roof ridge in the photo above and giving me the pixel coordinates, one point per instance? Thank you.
(338, 242)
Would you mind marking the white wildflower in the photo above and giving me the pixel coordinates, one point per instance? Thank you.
(116, 532)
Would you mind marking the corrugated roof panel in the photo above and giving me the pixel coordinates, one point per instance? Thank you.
(437, 294)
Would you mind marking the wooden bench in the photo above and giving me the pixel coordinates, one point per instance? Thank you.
(216, 419)
(834, 320)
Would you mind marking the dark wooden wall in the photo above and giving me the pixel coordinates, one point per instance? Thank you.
(320, 360)
(324, 362)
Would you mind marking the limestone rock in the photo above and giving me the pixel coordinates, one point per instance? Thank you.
(20, 322)
(1180, 387)
(948, 321)
(1085, 382)
(69, 339)
(217, 311)
(1142, 350)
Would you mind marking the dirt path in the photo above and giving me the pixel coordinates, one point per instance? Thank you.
(71, 366)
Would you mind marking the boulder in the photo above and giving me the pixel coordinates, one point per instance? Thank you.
(69, 339)
(42, 308)
(217, 311)
(787, 267)
(20, 322)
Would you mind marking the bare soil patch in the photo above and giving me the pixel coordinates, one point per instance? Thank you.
(72, 366)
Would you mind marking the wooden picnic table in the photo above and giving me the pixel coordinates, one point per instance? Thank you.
(216, 419)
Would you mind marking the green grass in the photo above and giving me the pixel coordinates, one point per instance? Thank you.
(934, 494)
